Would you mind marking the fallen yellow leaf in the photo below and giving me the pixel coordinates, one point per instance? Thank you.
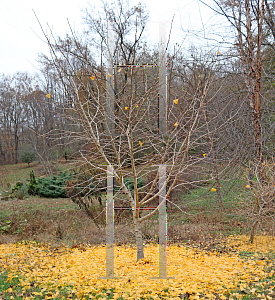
(48, 96)
(214, 273)
(213, 190)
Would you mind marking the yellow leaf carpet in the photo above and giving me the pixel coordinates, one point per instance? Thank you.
(197, 272)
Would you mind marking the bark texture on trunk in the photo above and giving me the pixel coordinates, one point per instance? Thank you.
(253, 231)
(258, 145)
(251, 58)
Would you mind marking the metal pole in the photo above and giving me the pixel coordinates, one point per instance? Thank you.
(162, 222)
(162, 168)
(162, 80)
(162, 225)
(110, 251)
(110, 223)
(110, 79)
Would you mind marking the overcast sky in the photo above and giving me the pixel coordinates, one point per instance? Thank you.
(21, 38)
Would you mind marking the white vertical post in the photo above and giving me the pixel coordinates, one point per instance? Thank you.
(110, 251)
(162, 225)
(162, 222)
(110, 79)
(110, 223)
(162, 80)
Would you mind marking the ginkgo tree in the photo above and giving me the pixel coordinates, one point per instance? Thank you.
(133, 132)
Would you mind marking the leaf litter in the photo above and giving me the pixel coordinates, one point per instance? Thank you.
(199, 273)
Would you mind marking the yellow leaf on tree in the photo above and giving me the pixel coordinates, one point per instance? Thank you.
(199, 76)
(218, 52)
(93, 77)
(48, 96)
(136, 105)
(109, 75)
(247, 186)
(140, 143)
(119, 70)
(176, 101)
(204, 154)
(126, 107)
(176, 124)
(213, 190)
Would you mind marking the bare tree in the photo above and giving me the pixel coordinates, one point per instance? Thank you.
(14, 108)
(135, 148)
(247, 19)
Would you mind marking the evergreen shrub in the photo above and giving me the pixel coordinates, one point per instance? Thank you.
(51, 187)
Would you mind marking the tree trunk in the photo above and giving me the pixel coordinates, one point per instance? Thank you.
(253, 231)
(16, 141)
(257, 74)
(251, 58)
(139, 241)
(258, 146)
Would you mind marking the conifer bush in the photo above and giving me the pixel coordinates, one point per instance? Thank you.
(51, 187)
(32, 186)
(54, 186)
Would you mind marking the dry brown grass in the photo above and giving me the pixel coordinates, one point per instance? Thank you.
(61, 221)
(10, 174)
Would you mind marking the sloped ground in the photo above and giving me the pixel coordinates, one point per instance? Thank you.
(49, 249)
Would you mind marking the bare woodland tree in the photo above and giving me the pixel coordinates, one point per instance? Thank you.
(14, 113)
(249, 20)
